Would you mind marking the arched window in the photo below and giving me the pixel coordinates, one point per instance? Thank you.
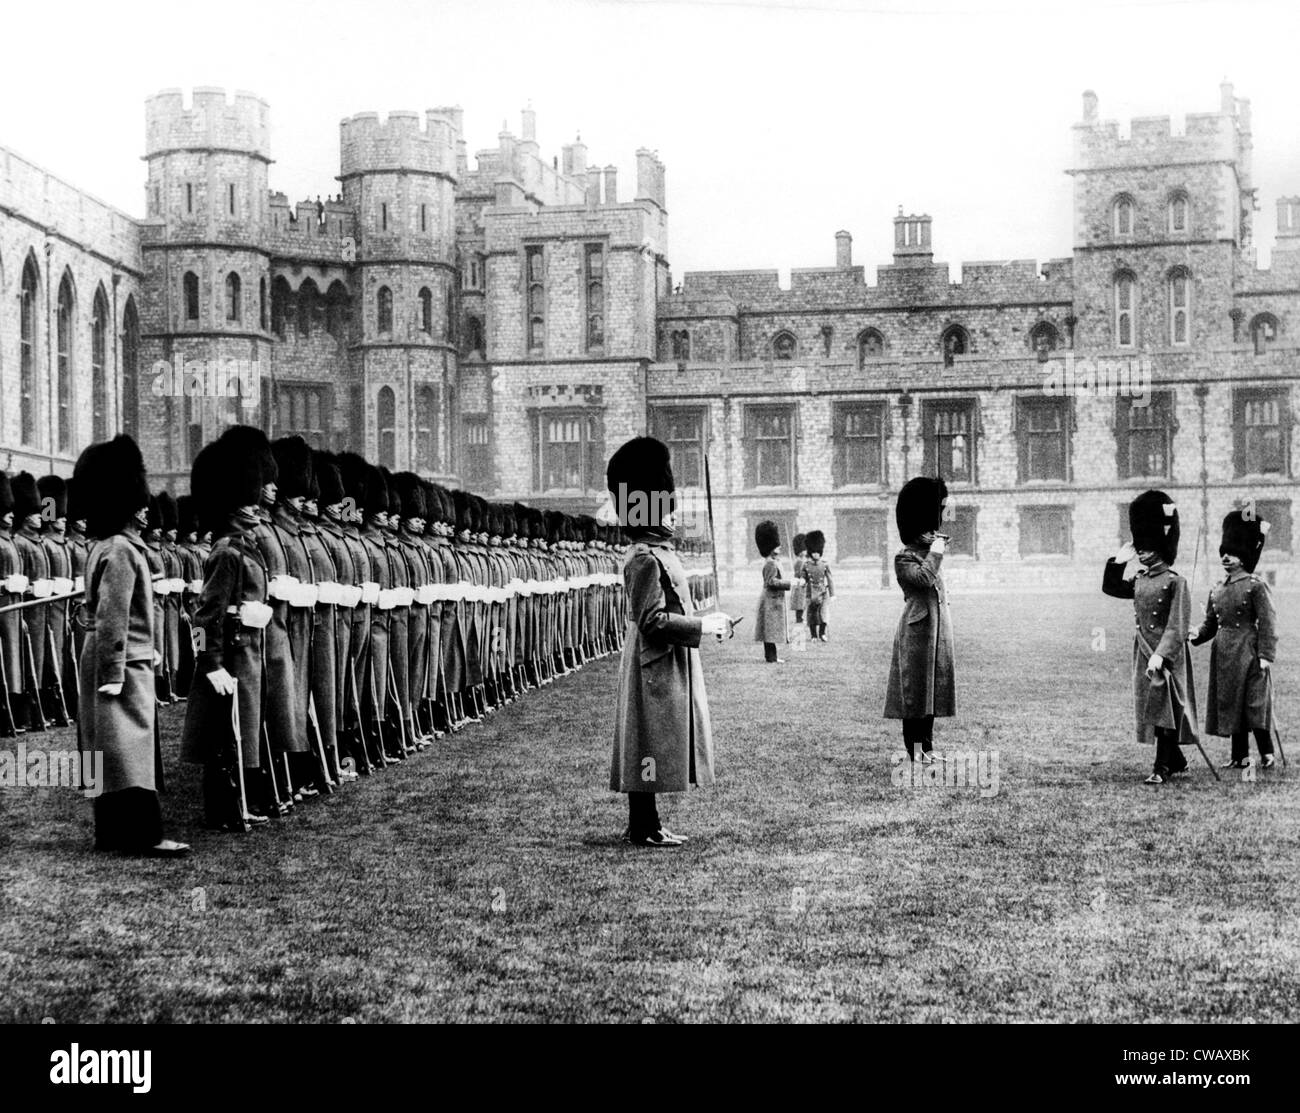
(280, 296)
(386, 412)
(63, 383)
(1180, 215)
(1263, 332)
(1122, 210)
(130, 369)
(426, 310)
(307, 298)
(871, 345)
(28, 347)
(233, 297)
(784, 346)
(954, 342)
(535, 270)
(474, 337)
(449, 314)
(1126, 296)
(426, 428)
(681, 341)
(337, 309)
(191, 288)
(1044, 339)
(98, 377)
(1180, 306)
(594, 262)
(384, 310)
(262, 308)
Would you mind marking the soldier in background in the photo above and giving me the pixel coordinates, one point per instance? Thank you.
(173, 570)
(13, 586)
(769, 625)
(396, 682)
(799, 590)
(54, 504)
(36, 569)
(322, 663)
(161, 587)
(360, 731)
(191, 558)
(79, 551)
(821, 589)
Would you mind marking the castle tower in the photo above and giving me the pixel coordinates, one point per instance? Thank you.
(1162, 225)
(399, 178)
(205, 347)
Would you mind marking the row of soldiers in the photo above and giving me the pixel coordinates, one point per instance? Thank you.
(325, 618)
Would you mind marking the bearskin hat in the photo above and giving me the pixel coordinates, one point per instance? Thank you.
(187, 515)
(154, 519)
(799, 543)
(167, 516)
(54, 493)
(410, 495)
(439, 504)
(249, 444)
(919, 509)
(364, 484)
(76, 504)
(6, 493)
(1244, 538)
(27, 497)
(111, 485)
(641, 465)
(464, 507)
(293, 461)
(553, 526)
(1153, 522)
(767, 537)
(816, 541)
(329, 481)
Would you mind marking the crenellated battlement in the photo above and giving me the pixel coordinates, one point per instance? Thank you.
(1206, 136)
(211, 122)
(402, 141)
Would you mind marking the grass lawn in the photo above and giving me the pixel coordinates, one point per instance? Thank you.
(485, 880)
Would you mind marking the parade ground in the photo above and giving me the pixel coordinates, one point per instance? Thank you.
(1035, 878)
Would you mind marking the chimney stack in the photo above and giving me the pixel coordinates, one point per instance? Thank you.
(1089, 107)
(611, 185)
(843, 250)
(529, 124)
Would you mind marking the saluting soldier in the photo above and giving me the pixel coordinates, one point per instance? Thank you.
(118, 696)
(36, 569)
(921, 683)
(1164, 696)
(1242, 624)
(13, 586)
(223, 718)
(769, 625)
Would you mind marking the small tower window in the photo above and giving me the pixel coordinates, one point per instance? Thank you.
(230, 198)
(871, 345)
(535, 269)
(233, 287)
(426, 311)
(1179, 215)
(784, 346)
(1044, 339)
(189, 197)
(954, 342)
(1180, 302)
(384, 309)
(190, 285)
(383, 215)
(1125, 309)
(1263, 332)
(261, 304)
(1122, 212)
(424, 218)
(681, 341)
(594, 258)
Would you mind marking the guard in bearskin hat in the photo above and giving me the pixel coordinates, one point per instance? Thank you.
(798, 589)
(58, 697)
(818, 585)
(362, 501)
(769, 625)
(153, 534)
(921, 683)
(13, 585)
(191, 559)
(175, 584)
(118, 697)
(224, 714)
(1163, 691)
(28, 519)
(1241, 622)
(662, 737)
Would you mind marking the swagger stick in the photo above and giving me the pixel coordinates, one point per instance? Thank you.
(1277, 728)
(239, 754)
(713, 543)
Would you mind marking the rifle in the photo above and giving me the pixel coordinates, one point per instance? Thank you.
(713, 546)
(328, 783)
(10, 725)
(32, 677)
(53, 658)
(1277, 727)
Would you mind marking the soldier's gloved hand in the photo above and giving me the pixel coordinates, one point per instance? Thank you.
(1265, 664)
(939, 544)
(222, 682)
(110, 689)
(1126, 553)
(717, 624)
(1155, 665)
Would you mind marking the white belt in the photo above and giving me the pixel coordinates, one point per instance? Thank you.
(385, 599)
(62, 585)
(329, 592)
(254, 615)
(79, 584)
(304, 595)
(17, 583)
(42, 588)
(370, 592)
(281, 587)
(426, 594)
(195, 586)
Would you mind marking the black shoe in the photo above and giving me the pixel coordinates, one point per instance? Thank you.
(657, 839)
(1237, 763)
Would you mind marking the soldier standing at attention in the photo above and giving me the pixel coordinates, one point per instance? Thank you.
(1164, 697)
(799, 592)
(769, 626)
(662, 738)
(921, 674)
(820, 588)
(1239, 619)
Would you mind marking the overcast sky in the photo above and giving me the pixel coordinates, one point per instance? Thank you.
(779, 123)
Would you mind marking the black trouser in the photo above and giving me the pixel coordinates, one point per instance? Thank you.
(642, 814)
(1241, 744)
(769, 652)
(1169, 755)
(816, 627)
(798, 615)
(918, 731)
(129, 820)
